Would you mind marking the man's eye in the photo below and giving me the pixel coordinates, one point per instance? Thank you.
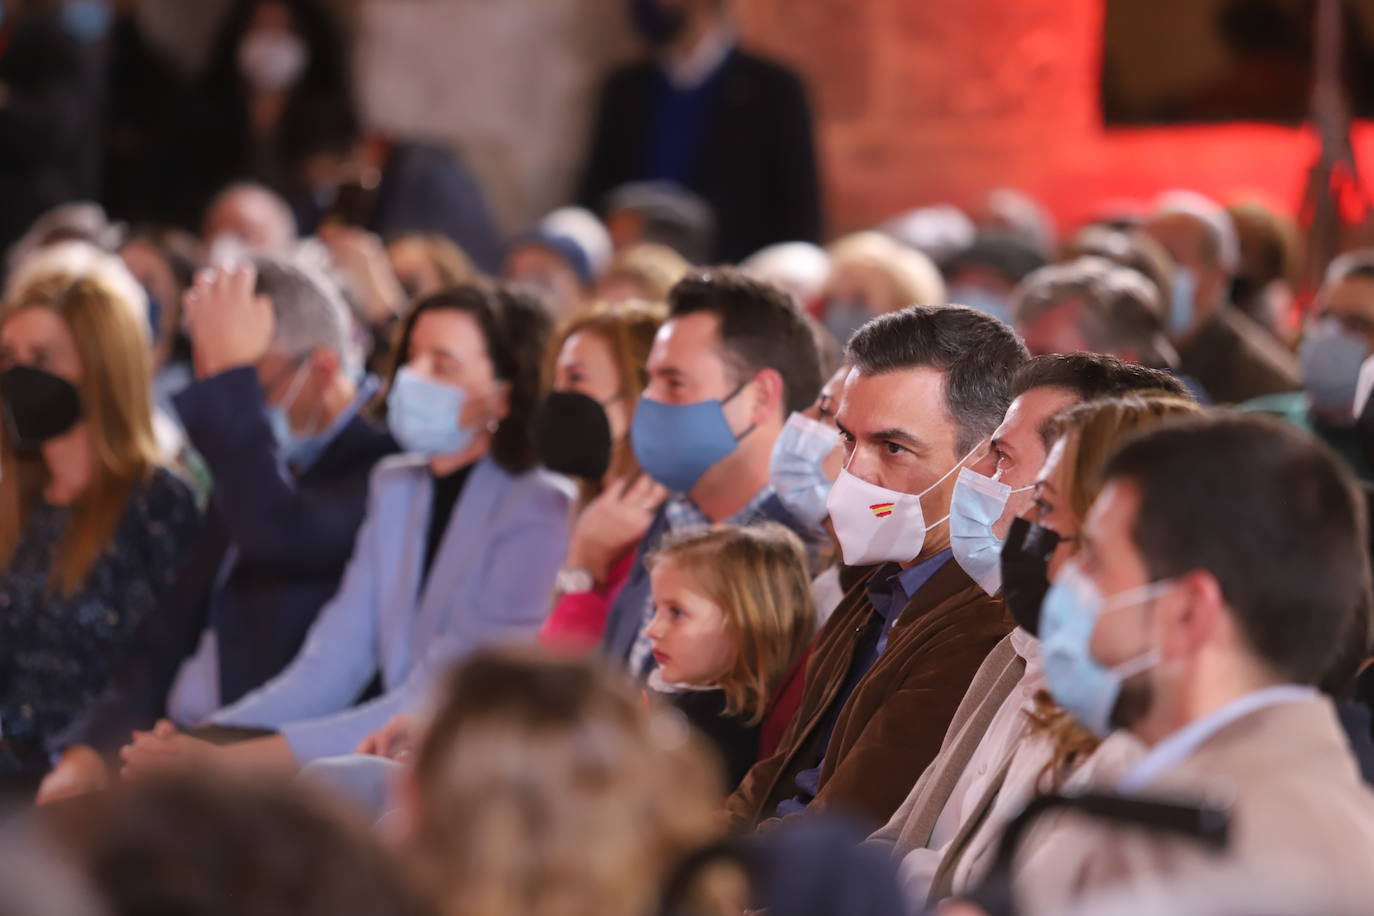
(893, 448)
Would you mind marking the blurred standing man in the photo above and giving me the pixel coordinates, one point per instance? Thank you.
(46, 113)
(701, 112)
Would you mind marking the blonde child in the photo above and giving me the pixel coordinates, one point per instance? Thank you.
(732, 619)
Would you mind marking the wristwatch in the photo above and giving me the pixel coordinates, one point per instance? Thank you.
(575, 580)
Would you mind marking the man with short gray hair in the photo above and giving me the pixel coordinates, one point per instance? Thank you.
(1092, 305)
(1230, 355)
(276, 415)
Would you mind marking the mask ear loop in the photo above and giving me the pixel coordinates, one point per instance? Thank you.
(958, 466)
(293, 390)
(1144, 595)
(731, 396)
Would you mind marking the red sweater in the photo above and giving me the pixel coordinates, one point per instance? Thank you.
(575, 624)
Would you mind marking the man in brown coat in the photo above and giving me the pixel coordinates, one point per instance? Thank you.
(990, 722)
(927, 387)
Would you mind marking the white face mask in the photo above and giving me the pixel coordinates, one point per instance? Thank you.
(272, 61)
(877, 525)
(977, 504)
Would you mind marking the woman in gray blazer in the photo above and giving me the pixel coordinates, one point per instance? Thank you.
(463, 539)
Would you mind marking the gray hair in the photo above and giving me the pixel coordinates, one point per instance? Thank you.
(1121, 307)
(1221, 230)
(309, 309)
(977, 353)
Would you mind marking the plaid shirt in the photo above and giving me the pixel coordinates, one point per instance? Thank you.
(683, 515)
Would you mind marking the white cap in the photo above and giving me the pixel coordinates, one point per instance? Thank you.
(582, 226)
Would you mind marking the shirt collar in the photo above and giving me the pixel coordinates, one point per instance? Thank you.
(1026, 646)
(700, 65)
(892, 587)
(682, 513)
(1181, 745)
(367, 388)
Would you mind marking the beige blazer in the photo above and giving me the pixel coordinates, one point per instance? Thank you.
(911, 826)
(1300, 815)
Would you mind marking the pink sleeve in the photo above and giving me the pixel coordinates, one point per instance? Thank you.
(576, 622)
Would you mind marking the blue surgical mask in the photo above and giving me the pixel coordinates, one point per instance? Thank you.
(977, 504)
(424, 416)
(295, 449)
(1331, 358)
(796, 473)
(1077, 681)
(676, 443)
(984, 300)
(845, 316)
(1184, 305)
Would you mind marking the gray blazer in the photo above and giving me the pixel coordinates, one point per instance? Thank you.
(490, 582)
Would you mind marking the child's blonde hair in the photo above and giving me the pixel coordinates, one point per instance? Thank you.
(758, 576)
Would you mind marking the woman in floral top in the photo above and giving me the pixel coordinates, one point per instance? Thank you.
(91, 529)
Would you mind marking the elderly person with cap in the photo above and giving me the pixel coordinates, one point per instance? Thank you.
(553, 268)
(1232, 357)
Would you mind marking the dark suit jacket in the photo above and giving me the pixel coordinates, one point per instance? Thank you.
(293, 538)
(756, 164)
(1234, 359)
(627, 611)
(893, 723)
(47, 135)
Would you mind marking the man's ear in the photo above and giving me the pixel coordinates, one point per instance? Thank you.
(1200, 613)
(771, 397)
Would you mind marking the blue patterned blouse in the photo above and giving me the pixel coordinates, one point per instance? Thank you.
(57, 653)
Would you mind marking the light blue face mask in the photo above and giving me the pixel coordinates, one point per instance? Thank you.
(1331, 358)
(984, 300)
(796, 472)
(845, 316)
(1184, 305)
(977, 504)
(676, 443)
(424, 415)
(296, 450)
(1067, 619)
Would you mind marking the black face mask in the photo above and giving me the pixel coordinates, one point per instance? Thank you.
(573, 436)
(1025, 571)
(657, 24)
(38, 405)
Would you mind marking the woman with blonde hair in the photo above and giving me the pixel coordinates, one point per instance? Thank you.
(643, 272)
(1079, 441)
(91, 526)
(872, 274)
(732, 618)
(425, 263)
(596, 370)
(546, 786)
